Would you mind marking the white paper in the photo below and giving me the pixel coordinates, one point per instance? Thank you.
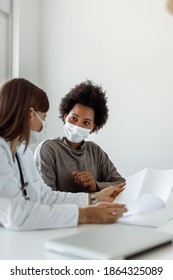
(154, 218)
(147, 190)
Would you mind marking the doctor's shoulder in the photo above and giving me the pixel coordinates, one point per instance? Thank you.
(5, 151)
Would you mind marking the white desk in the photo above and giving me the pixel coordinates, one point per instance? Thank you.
(30, 244)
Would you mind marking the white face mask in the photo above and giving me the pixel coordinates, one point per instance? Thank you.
(38, 136)
(74, 133)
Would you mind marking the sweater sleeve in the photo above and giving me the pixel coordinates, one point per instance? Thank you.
(108, 174)
(45, 161)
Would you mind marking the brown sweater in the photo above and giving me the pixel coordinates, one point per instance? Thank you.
(56, 161)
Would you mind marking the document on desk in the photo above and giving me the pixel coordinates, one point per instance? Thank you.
(145, 192)
(152, 219)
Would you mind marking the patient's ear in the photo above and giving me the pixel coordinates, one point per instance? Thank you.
(65, 116)
(93, 129)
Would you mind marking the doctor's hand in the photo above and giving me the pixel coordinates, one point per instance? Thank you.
(101, 213)
(109, 194)
(85, 179)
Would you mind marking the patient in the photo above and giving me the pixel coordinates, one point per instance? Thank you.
(70, 163)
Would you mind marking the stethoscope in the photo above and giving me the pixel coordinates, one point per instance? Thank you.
(23, 184)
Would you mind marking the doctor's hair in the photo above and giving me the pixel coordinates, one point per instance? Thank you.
(17, 96)
(90, 95)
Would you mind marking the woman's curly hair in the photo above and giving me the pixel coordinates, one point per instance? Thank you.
(87, 94)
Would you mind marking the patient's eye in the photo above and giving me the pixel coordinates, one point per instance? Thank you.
(87, 123)
(73, 118)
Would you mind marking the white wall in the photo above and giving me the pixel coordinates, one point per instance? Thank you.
(5, 6)
(127, 47)
(26, 39)
(5, 39)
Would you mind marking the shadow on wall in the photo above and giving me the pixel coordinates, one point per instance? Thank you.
(170, 6)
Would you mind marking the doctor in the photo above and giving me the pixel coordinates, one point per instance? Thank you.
(26, 202)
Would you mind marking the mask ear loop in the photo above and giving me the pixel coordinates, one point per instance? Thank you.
(43, 122)
(38, 117)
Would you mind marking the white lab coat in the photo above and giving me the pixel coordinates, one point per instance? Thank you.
(45, 209)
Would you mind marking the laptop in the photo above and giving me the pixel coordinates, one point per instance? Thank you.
(109, 242)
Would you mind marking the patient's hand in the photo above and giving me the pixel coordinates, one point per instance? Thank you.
(85, 180)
